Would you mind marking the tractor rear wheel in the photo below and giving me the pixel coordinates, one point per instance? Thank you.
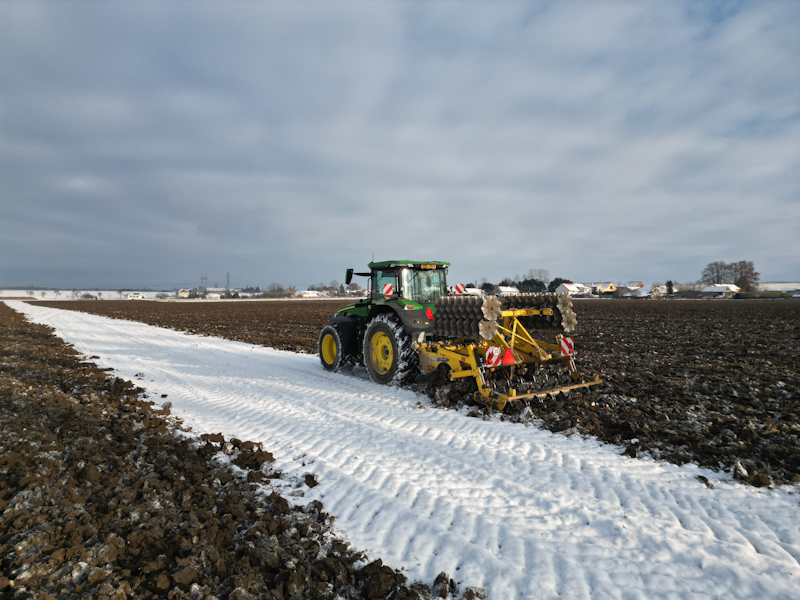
(331, 353)
(388, 353)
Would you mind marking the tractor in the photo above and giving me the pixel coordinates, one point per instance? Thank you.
(409, 323)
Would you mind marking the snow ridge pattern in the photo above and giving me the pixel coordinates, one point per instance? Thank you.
(519, 511)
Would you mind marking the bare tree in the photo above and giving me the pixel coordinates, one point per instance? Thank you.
(57, 293)
(542, 275)
(75, 294)
(120, 292)
(745, 275)
(742, 273)
(30, 293)
(42, 294)
(716, 272)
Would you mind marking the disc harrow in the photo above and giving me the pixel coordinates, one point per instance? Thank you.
(488, 339)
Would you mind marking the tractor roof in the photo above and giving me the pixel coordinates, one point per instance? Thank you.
(414, 264)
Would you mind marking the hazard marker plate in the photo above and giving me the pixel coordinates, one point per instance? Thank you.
(493, 356)
(567, 346)
(388, 288)
(459, 288)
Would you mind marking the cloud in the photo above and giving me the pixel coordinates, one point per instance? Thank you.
(153, 142)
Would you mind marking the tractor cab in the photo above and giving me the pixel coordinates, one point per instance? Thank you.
(417, 283)
(414, 285)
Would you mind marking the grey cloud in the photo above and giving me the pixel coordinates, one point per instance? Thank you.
(287, 141)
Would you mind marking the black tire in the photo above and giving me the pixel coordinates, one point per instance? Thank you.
(388, 353)
(331, 353)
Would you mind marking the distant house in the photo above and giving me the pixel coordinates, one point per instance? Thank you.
(779, 286)
(183, 293)
(137, 296)
(603, 288)
(505, 290)
(632, 284)
(719, 290)
(573, 289)
(645, 291)
(214, 296)
(312, 294)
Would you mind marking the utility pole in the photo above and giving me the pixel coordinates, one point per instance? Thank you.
(228, 283)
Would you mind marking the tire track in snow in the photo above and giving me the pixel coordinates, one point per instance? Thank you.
(519, 511)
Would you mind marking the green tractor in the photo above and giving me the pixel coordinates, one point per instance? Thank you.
(380, 330)
(409, 324)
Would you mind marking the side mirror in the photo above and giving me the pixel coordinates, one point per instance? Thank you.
(348, 276)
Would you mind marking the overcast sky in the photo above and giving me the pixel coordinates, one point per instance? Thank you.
(147, 143)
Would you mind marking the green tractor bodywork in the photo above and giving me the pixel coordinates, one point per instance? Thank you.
(398, 309)
(409, 324)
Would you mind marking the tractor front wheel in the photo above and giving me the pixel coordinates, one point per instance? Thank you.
(388, 354)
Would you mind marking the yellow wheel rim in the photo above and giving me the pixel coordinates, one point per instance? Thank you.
(382, 354)
(329, 349)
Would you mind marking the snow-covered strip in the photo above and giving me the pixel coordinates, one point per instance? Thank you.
(519, 511)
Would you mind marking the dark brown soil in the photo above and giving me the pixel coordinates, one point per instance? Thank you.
(709, 381)
(713, 382)
(101, 496)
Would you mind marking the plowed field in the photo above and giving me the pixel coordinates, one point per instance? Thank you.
(714, 382)
(99, 498)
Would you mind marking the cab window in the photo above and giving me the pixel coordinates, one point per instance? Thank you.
(379, 279)
(423, 286)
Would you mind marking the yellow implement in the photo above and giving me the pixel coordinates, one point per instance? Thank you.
(509, 366)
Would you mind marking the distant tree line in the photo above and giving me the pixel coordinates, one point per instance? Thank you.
(743, 274)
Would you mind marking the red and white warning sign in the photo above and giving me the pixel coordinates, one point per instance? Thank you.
(492, 356)
(459, 288)
(567, 346)
(388, 289)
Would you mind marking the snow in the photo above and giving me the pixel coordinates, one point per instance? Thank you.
(519, 511)
(70, 295)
